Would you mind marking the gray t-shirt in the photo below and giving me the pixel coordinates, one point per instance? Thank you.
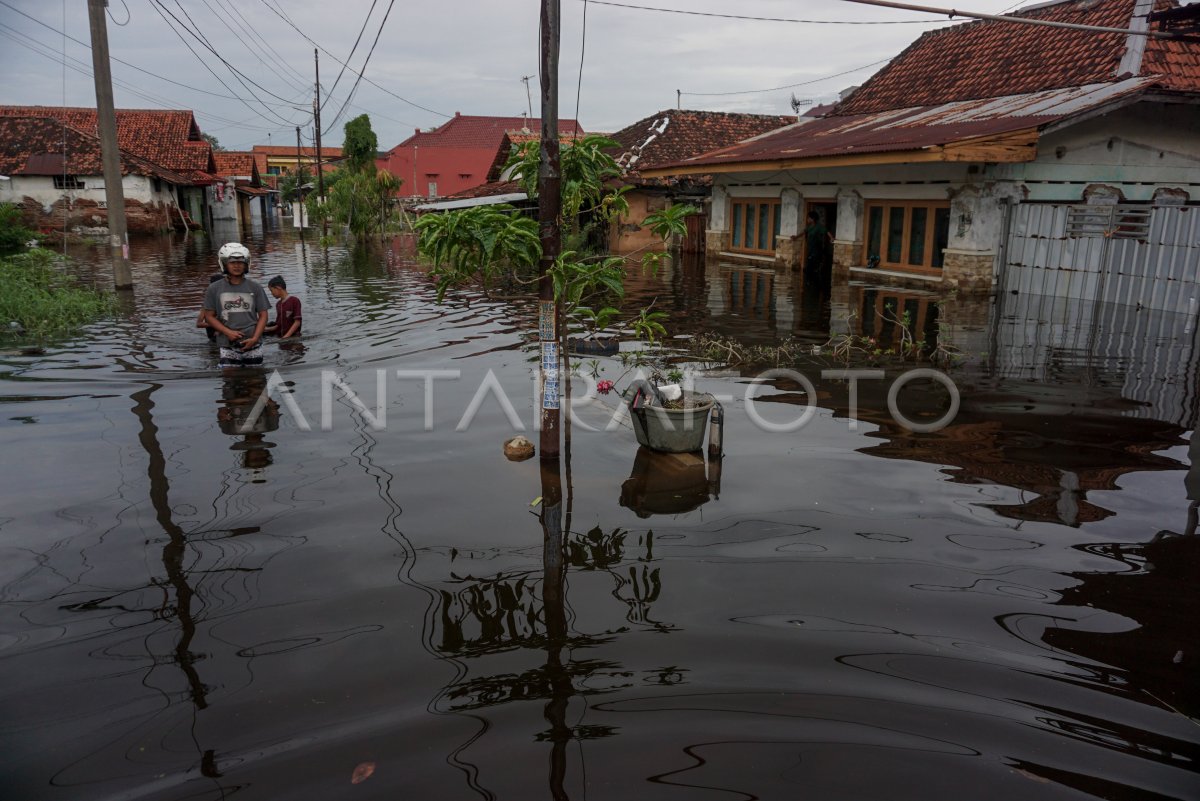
(237, 305)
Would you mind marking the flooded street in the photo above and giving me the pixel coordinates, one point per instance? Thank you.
(193, 607)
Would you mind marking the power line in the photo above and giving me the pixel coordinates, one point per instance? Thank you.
(250, 48)
(367, 60)
(253, 32)
(358, 39)
(764, 19)
(25, 41)
(788, 86)
(157, 6)
(51, 28)
(279, 13)
(582, 51)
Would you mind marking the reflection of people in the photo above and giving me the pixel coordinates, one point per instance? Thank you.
(287, 310)
(237, 307)
(202, 318)
(239, 416)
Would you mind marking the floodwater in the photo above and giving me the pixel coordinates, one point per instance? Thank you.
(199, 600)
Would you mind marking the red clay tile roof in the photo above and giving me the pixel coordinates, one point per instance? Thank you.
(231, 162)
(37, 145)
(674, 135)
(168, 138)
(995, 59)
(488, 190)
(463, 130)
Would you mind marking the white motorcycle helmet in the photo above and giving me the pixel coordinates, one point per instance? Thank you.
(233, 250)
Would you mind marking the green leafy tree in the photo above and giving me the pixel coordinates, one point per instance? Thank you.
(212, 140)
(360, 145)
(291, 185)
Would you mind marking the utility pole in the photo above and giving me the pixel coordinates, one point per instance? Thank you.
(678, 98)
(549, 229)
(299, 215)
(106, 125)
(320, 172)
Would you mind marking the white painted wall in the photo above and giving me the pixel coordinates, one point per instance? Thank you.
(41, 189)
(223, 200)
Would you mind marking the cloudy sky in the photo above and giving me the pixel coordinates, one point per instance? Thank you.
(250, 80)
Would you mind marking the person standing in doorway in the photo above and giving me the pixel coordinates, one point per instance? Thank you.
(236, 308)
(287, 310)
(816, 242)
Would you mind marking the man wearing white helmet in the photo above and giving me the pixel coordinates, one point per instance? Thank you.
(236, 308)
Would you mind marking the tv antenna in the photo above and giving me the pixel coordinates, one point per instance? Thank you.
(528, 97)
(798, 103)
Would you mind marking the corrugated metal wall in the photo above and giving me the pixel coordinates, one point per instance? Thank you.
(1159, 270)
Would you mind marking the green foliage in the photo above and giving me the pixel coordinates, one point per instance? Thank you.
(43, 299)
(212, 140)
(290, 184)
(360, 201)
(648, 325)
(13, 235)
(360, 145)
(478, 241)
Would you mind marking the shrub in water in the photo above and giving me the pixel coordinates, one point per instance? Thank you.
(43, 299)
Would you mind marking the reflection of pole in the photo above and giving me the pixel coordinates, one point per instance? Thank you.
(554, 605)
(174, 549)
(317, 115)
(549, 228)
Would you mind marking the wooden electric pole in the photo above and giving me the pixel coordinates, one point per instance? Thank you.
(549, 230)
(317, 115)
(110, 153)
(299, 189)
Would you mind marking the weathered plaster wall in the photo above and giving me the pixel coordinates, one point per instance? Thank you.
(40, 188)
(1139, 149)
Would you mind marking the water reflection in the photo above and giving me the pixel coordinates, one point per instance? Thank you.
(248, 414)
(670, 483)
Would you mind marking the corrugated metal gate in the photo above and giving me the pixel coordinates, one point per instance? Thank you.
(1124, 254)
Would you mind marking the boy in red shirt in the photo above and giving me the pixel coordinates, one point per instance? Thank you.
(287, 309)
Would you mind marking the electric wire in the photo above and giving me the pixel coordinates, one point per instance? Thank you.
(765, 19)
(279, 13)
(790, 85)
(200, 37)
(582, 51)
(357, 39)
(367, 60)
(249, 48)
(156, 6)
(128, 16)
(246, 26)
(82, 43)
(25, 40)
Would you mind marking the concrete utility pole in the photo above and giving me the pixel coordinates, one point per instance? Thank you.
(299, 201)
(317, 114)
(549, 229)
(110, 153)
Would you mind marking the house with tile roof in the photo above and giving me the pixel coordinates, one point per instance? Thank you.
(457, 155)
(56, 175)
(667, 137)
(277, 160)
(993, 154)
(240, 196)
(170, 139)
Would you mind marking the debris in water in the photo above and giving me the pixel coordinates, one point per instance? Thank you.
(518, 449)
(362, 772)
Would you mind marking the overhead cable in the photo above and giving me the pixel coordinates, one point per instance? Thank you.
(279, 13)
(788, 86)
(370, 53)
(764, 19)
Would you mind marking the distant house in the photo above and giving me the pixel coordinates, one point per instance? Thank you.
(1038, 159)
(456, 155)
(671, 136)
(240, 196)
(279, 160)
(170, 139)
(56, 175)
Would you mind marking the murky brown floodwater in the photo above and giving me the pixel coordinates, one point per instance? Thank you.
(1006, 608)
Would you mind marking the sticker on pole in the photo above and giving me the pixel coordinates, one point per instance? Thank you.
(546, 327)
